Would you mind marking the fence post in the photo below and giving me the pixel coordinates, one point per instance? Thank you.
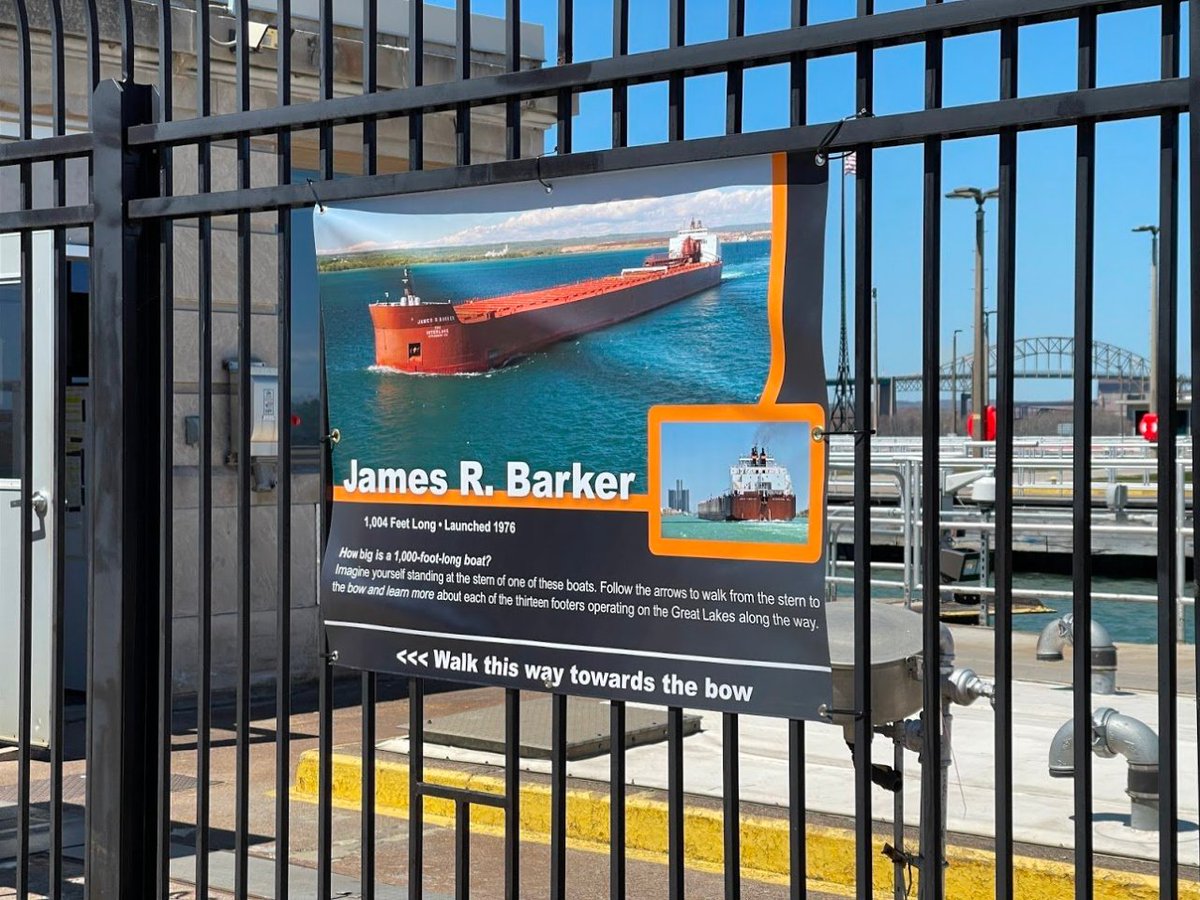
(123, 483)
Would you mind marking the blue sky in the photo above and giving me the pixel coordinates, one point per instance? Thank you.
(350, 230)
(701, 453)
(1127, 164)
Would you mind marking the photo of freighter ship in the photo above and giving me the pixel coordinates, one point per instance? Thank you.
(437, 337)
(760, 490)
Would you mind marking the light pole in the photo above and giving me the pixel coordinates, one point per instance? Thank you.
(1152, 230)
(954, 378)
(979, 373)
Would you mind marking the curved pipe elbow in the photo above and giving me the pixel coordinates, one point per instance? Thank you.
(1126, 736)
(1062, 751)
(1112, 734)
(1057, 634)
(1051, 641)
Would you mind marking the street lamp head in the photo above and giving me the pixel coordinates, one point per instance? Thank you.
(973, 193)
(1152, 229)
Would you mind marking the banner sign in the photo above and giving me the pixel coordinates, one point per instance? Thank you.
(580, 435)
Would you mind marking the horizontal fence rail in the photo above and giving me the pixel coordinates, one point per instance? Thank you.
(174, 571)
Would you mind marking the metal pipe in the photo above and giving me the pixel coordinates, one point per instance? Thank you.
(1114, 734)
(1057, 634)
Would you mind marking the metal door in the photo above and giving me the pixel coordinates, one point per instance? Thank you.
(13, 501)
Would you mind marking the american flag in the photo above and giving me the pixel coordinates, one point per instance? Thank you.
(850, 164)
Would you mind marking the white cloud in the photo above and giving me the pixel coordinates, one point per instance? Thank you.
(716, 207)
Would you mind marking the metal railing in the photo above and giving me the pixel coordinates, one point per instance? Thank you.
(137, 149)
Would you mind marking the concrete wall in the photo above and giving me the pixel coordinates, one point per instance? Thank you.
(488, 131)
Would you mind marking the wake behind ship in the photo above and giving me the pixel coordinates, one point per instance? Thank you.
(760, 490)
(440, 338)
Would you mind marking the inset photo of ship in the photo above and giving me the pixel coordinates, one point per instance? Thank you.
(737, 481)
(515, 323)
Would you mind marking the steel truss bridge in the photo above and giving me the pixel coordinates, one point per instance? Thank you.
(1046, 358)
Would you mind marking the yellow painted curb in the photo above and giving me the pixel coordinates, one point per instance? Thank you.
(765, 850)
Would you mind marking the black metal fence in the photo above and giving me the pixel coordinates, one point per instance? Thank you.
(135, 148)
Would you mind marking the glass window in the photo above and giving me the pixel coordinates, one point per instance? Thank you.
(10, 378)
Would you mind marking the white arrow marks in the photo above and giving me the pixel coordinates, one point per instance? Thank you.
(413, 658)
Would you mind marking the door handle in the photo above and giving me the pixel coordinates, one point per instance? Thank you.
(40, 501)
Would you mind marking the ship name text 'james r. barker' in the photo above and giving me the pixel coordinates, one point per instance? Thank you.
(522, 481)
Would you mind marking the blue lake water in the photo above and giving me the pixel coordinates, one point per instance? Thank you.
(581, 400)
(694, 528)
(1128, 621)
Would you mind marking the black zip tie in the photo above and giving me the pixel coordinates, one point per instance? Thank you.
(822, 155)
(828, 712)
(538, 166)
(820, 434)
(312, 187)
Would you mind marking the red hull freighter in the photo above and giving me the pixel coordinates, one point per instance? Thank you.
(760, 491)
(439, 338)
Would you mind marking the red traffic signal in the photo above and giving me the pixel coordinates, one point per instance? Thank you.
(1148, 426)
(990, 426)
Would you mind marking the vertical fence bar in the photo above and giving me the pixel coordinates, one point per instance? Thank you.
(416, 805)
(512, 790)
(123, 477)
(462, 851)
(1081, 475)
(1166, 345)
(733, 77)
(616, 810)
(370, 81)
(932, 813)
(244, 560)
(416, 77)
(283, 496)
(58, 115)
(798, 847)
(1006, 252)
(675, 811)
(25, 615)
(325, 685)
(797, 787)
(864, 847)
(462, 115)
(566, 55)
(166, 609)
(1193, 307)
(731, 821)
(512, 59)
(128, 48)
(676, 37)
(558, 797)
(204, 460)
(91, 27)
(620, 91)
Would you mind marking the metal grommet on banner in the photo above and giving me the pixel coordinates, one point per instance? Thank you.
(312, 187)
(822, 155)
(334, 437)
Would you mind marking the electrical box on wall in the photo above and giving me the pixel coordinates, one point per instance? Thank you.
(262, 409)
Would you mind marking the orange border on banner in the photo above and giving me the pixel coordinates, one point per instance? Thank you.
(779, 192)
(809, 551)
